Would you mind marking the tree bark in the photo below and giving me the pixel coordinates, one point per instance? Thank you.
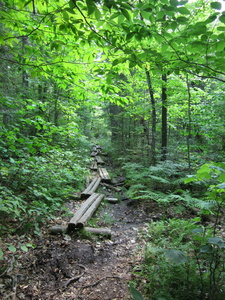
(92, 187)
(73, 223)
(189, 122)
(164, 119)
(99, 231)
(153, 103)
(89, 212)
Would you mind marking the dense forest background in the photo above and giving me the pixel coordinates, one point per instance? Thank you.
(144, 79)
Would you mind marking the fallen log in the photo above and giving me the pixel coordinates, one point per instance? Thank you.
(58, 229)
(111, 187)
(99, 231)
(89, 212)
(104, 175)
(92, 187)
(82, 210)
(99, 160)
(112, 200)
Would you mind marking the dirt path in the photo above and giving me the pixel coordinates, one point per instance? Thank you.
(65, 267)
(68, 267)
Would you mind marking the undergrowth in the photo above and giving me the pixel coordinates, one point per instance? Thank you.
(184, 259)
(35, 187)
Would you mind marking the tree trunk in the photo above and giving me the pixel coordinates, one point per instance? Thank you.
(153, 103)
(99, 231)
(164, 119)
(189, 122)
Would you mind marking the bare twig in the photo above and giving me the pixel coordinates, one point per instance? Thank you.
(74, 279)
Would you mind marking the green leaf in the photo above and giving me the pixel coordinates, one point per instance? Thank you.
(222, 19)
(24, 248)
(182, 20)
(212, 18)
(174, 25)
(184, 11)
(174, 2)
(190, 178)
(176, 256)
(216, 241)
(12, 248)
(222, 177)
(216, 5)
(130, 35)
(90, 7)
(126, 14)
(72, 4)
(206, 249)
(221, 28)
(198, 230)
(1, 254)
(97, 14)
(120, 19)
(135, 293)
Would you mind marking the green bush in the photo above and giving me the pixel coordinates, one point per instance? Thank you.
(34, 187)
(182, 260)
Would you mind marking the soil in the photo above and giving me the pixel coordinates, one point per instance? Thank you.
(68, 267)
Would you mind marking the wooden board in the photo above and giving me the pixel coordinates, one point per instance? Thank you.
(99, 160)
(104, 175)
(94, 165)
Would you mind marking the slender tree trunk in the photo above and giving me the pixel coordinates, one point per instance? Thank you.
(56, 106)
(153, 103)
(164, 119)
(24, 72)
(189, 121)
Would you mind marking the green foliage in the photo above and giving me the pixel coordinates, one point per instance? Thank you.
(158, 183)
(182, 261)
(37, 186)
(135, 293)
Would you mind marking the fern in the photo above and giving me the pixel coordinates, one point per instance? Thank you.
(176, 256)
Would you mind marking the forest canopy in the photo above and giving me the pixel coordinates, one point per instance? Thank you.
(146, 77)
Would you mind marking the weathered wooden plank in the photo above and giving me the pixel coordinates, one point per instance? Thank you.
(89, 212)
(99, 160)
(81, 211)
(104, 174)
(99, 231)
(94, 165)
(94, 153)
(92, 187)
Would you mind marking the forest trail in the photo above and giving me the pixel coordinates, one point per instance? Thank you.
(71, 267)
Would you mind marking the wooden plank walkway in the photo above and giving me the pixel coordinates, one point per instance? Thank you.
(104, 175)
(85, 212)
(93, 199)
(94, 166)
(99, 160)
